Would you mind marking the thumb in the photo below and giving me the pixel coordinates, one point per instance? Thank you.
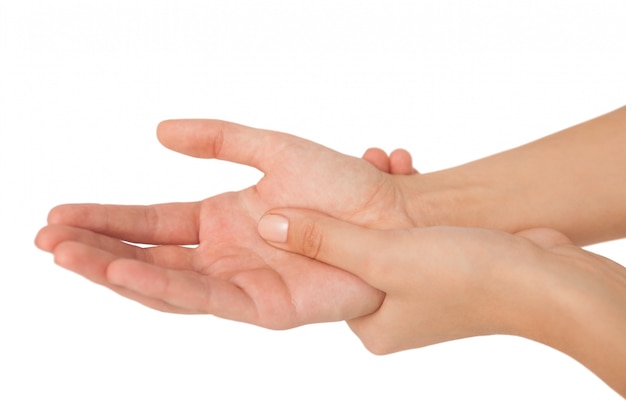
(204, 138)
(324, 238)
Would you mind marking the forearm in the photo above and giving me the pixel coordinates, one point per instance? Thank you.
(598, 341)
(573, 181)
(583, 314)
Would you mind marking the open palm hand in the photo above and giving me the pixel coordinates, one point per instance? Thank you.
(207, 257)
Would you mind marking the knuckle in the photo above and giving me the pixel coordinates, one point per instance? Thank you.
(312, 240)
(218, 140)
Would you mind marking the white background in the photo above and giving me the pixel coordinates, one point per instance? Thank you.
(82, 87)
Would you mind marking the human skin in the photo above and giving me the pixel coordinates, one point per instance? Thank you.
(234, 274)
(398, 162)
(444, 283)
(572, 181)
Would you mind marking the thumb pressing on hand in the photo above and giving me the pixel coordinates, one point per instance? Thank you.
(326, 239)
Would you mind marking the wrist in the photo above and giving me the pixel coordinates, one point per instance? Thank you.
(454, 197)
(575, 304)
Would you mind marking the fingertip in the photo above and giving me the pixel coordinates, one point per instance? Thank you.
(42, 240)
(378, 158)
(273, 228)
(161, 128)
(66, 253)
(57, 214)
(51, 236)
(120, 270)
(401, 162)
(296, 230)
(200, 138)
(169, 129)
(374, 152)
(320, 237)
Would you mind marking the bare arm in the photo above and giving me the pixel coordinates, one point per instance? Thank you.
(446, 283)
(573, 181)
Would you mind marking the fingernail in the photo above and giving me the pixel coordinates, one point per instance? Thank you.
(273, 228)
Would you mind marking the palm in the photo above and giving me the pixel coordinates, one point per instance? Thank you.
(232, 272)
